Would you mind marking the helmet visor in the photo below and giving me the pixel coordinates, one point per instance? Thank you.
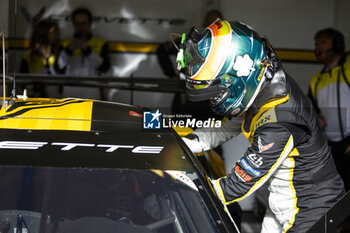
(194, 57)
(197, 55)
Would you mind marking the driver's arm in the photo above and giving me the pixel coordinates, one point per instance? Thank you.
(272, 144)
(204, 139)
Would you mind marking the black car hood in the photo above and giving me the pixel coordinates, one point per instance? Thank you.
(88, 134)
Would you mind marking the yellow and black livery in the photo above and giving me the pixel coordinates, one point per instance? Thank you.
(289, 151)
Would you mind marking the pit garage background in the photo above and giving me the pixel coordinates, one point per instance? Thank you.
(135, 28)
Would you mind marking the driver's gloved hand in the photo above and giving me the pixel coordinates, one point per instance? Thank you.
(192, 142)
(216, 187)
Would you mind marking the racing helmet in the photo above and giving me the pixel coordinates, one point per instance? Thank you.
(226, 64)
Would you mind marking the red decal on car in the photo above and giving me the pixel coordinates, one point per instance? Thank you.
(135, 114)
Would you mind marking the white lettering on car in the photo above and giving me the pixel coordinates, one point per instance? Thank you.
(21, 145)
(148, 149)
(67, 146)
(114, 147)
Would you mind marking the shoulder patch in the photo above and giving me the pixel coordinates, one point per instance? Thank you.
(267, 117)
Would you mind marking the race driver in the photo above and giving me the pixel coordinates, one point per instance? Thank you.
(239, 73)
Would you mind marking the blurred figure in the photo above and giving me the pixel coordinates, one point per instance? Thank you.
(43, 49)
(84, 55)
(329, 91)
(41, 56)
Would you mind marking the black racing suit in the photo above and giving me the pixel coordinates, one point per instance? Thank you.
(288, 150)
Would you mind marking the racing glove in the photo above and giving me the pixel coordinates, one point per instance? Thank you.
(192, 142)
(215, 184)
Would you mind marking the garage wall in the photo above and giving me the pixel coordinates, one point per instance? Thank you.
(291, 24)
(4, 16)
(135, 21)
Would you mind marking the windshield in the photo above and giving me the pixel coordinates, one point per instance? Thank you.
(62, 200)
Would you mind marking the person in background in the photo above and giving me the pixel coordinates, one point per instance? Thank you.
(84, 54)
(43, 49)
(42, 54)
(329, 91)
(238, 71)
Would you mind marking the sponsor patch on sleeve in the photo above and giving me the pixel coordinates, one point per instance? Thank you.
(262, 147)
(249, 168)
(242, 174)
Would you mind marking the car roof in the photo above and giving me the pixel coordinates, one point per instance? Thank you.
(86, 133)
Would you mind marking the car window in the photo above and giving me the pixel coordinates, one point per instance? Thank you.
(64, 200)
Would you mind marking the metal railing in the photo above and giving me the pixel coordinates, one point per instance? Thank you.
(126, 83)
